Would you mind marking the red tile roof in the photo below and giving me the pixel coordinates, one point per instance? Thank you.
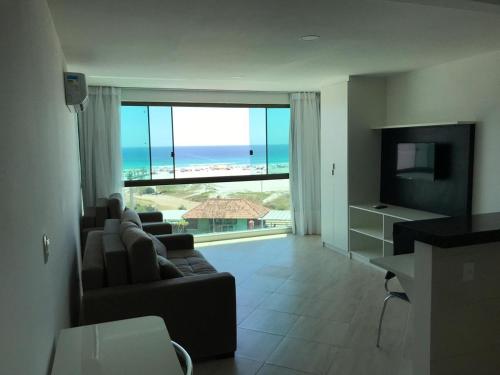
(219, 208)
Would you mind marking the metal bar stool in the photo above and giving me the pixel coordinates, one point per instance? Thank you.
(390, 294)
(185, 357)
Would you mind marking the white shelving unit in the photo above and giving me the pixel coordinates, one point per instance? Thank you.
(446, 123)
(370, 229)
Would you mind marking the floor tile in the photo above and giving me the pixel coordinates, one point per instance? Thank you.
(299, 288)
(320, 330)
(256, 345)
(237, 366)
(262, 283)
(205, 367)
(283, 303)
(242, 312)
(301, 307)
(340, 311)
(275, 271)
(362, 361)
(269, 321)
(276, 370)
(302, 355)
(250, 298)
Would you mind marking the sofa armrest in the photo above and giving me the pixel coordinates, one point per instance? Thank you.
(88, 218)
(93, 273)
(151, 217)
(157, 228)
(101, 211)
(177, 241)
(199, 311)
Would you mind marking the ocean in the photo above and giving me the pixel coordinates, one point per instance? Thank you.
(190, 156)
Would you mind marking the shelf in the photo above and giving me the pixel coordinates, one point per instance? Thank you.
(368, 253)
(403, 213)
(423, 124)
(372, 232)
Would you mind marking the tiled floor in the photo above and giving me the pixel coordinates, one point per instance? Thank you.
(304, 309)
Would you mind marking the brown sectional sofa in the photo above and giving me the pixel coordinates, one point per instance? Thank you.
(127, 273)
(113, 208)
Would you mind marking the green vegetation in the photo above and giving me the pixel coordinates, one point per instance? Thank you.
(272, 200)
(177, 190)
(148, 190)
(180, 226)
(144, 208)
(282, 202)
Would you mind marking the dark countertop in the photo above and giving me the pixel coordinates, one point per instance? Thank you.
(453, 231)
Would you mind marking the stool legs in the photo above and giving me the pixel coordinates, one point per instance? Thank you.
(386, 299)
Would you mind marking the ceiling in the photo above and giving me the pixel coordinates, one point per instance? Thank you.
(255, 45)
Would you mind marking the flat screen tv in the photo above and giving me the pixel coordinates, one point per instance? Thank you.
(415, 161)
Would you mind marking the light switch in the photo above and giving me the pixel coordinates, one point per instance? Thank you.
(468, 274)
(46, 250)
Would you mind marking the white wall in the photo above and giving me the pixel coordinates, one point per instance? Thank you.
(467, 89)
(204, 96)
(39, 190)
(367, 108)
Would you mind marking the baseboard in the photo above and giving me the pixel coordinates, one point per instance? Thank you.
(336, 249)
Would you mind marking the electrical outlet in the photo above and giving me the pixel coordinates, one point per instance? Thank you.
(468, 274)
(46, 250)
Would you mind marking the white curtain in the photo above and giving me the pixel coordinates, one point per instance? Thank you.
(100, 152)
(305, 162)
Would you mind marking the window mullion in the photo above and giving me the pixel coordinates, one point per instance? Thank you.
(267, 149)
(173, 138)
(150, 157)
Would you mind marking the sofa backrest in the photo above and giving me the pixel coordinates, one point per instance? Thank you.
(119, 254)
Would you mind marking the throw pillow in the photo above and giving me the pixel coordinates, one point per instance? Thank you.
(115, 206)
(143, 264)
(131, 215)
(158, 245)
(168, 270)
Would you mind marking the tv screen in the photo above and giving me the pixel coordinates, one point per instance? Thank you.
(415, 161)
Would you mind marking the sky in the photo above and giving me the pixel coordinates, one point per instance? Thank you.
(203, 126)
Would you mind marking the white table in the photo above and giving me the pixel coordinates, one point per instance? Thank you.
(403, 266)
(125, 347)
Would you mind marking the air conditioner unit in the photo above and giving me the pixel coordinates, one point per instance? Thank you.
(75, 89)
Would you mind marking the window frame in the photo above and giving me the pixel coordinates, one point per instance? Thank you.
(199, 180)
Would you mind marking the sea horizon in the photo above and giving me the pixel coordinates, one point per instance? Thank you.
(196, 156)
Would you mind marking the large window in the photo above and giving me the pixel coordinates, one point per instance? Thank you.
(208, 169)
(169, 144)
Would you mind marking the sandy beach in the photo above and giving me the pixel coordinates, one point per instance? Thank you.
(212, 170)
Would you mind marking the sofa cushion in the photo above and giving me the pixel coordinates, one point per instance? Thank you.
(142, 259)
(190, 262)
(168, 270)
(115, 206)
(131, 215)
(158, 245)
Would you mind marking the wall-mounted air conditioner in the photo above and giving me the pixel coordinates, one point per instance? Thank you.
(75, 89)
